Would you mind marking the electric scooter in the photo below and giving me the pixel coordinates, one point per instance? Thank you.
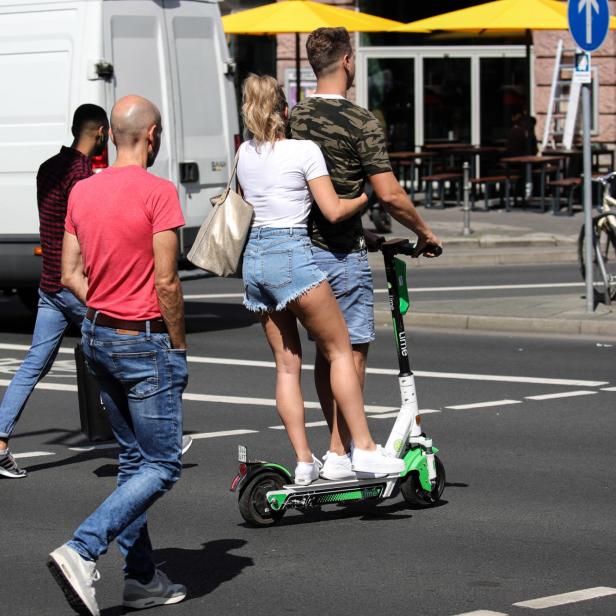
(266, 490)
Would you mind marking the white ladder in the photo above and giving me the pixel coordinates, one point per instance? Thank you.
(563, 105)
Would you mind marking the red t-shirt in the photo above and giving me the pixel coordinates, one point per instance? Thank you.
(114, 215)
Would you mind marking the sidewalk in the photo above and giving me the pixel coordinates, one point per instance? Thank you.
(553, 314)
(503, 238)
(499, 237)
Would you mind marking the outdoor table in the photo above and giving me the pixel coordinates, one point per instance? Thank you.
(413, 158)
(528, 162)
(474, 154)
(447, 145)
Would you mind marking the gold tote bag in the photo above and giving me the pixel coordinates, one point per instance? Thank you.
(220, 243)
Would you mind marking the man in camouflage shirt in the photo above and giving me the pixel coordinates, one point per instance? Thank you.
(355, 150)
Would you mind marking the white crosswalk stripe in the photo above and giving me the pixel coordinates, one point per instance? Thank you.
(567, 597)
(562, 394)
(482, 405)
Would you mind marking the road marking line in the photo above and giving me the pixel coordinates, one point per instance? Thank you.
(224, 361)
(568, 597)
(493, 287)
(94, 447)
(221, 433)
(509, 379)
(395, 413)
(309, 424)
(562, 394)
(33, 454)
(608, 389)
(482, 613)
(214, 296)
(48, 386)
(482, 405)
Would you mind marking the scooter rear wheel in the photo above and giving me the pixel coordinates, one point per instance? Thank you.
(253, 502)
(414, 493)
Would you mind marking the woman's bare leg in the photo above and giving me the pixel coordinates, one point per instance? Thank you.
(282, 335)
(320, 315)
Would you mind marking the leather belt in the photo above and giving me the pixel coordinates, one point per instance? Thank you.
(157, 326)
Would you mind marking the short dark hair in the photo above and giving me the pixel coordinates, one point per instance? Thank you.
(325, 47)
(88, 116)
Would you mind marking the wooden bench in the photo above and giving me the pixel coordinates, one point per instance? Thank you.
(441, 179)
(568, 185)
(503, 181)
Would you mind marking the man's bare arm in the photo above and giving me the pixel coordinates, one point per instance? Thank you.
(168, 286)
(397, 203)
(73, 275)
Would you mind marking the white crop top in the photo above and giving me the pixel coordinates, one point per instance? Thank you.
(274, 178)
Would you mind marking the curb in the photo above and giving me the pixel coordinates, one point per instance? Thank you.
(530, 325)
(468, 258)
(508, 241)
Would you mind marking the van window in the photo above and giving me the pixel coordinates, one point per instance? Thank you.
(199, 91)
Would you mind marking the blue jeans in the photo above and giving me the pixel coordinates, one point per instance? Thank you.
(350, 278)
(55, 313)
(141, 379)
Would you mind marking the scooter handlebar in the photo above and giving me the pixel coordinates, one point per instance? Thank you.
(405, 247)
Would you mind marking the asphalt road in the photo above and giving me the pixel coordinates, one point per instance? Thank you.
(527, 512)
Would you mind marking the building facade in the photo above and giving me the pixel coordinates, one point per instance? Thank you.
(427, 88)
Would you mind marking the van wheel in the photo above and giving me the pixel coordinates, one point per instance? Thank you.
(29, 298)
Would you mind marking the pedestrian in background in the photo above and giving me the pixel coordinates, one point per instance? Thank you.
(279, 178)
(120, 258)
(355, 151)
(57, 306)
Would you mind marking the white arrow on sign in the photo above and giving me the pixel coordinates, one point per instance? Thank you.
(589, 5)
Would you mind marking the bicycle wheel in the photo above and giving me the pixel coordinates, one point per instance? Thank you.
(604, 269)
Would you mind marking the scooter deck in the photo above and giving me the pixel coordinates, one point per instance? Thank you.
(326, 485)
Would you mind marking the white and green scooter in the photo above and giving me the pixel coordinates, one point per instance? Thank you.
(266, 490)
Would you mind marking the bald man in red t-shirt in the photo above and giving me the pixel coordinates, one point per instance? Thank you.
(120, 258)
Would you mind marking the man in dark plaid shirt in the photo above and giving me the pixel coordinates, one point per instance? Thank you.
(57, 306)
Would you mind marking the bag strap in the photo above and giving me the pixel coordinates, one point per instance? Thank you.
(233, 172)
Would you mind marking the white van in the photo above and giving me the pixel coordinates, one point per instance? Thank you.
(58, 54)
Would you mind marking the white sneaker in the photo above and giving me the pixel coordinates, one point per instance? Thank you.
(376, 461)
(75, 576)
(160, 591)
(306, 472)
(337, 467)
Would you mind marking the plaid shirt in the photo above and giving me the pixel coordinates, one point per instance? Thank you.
(54, 181)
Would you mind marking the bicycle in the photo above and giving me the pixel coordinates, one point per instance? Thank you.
(604, 242)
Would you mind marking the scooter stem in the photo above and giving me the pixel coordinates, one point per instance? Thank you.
(406, 423)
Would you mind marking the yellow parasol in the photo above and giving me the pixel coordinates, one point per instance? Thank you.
(506, 15)
(296, 16)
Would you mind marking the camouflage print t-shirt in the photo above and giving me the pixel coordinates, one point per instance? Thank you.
(354, 148)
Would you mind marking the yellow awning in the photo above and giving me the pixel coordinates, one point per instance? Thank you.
(506, 15)
(293, 16)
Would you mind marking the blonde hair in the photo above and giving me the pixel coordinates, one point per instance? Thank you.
(263, 104)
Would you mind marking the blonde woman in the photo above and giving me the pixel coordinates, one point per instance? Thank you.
(281, 177)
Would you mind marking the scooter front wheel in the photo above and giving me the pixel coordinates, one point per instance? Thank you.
(253, 504)
(414, 493)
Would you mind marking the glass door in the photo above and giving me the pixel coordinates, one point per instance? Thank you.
(447, 100)
(391, 98)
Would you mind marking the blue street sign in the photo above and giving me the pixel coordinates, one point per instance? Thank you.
(589, 21)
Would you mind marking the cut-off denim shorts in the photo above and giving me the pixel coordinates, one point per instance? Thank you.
(278, 268)
(350, 278)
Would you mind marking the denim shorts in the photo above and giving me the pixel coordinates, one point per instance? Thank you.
(350, 278)
(278, 268)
